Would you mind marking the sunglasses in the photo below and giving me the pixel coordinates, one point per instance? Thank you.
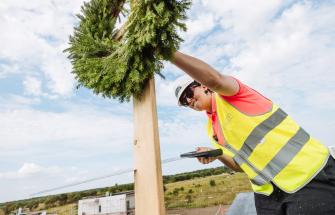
(188, 94)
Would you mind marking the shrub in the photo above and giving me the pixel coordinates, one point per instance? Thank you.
(176, 191)
(188, 198)
(212, 183)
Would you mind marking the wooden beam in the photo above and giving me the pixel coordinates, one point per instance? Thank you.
(120, 32)
(149, 194)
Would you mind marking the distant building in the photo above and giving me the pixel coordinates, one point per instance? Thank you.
(20, 212)
(117, 204)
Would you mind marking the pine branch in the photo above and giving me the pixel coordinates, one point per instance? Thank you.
(117, 63)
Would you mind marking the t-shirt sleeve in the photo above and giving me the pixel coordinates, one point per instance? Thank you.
(248, 100)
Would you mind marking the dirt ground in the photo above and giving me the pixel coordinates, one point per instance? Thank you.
(217, 210)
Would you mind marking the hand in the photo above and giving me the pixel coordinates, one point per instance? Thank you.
(205, 160)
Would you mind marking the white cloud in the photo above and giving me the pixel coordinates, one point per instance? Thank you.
(88, 129)
(6, 69)
(45, 143)
(291, 55)
(277, 47)
(32, 86)
(165, 92)
(30, 170)
(31, 178)
(33, 37)
(57, 71)
(11, 102)
(199, 25)
(179, 133)
(247, 19)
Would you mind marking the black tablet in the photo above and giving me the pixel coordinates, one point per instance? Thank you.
(196, 154)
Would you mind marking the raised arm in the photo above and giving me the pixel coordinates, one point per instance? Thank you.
(205, 74)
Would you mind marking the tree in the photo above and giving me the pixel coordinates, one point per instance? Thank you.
(62, 199)
(31, 204)
(212, 183)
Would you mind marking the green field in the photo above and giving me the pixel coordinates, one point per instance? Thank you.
(197, 189)
(69, 209)
(205, 192)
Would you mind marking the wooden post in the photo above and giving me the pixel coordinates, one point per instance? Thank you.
(149, 194)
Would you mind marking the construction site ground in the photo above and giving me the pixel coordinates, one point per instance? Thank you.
(215, 210)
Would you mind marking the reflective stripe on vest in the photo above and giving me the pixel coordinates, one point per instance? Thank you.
(258, 179)
(286, 153)
(269, 147)
(256, 136)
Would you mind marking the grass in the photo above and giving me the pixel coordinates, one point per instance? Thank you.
(195, 193)
(199, 193)
(69, 209)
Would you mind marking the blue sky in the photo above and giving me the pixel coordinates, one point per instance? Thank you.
(52, 134)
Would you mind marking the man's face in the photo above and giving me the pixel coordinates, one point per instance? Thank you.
(196, 98)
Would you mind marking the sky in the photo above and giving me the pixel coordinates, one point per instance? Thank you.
(52, 134)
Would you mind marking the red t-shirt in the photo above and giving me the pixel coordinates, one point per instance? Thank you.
(246, 100)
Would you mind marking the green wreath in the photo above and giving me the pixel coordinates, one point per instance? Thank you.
(120, 68)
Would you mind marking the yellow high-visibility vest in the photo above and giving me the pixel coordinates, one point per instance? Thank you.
(269, 148)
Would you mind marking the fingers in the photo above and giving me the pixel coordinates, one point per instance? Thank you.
(203, 149)
(205, 160)
(201, 160)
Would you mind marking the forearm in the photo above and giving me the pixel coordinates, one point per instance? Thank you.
(197, 69)
(229, 162)
(205, 74)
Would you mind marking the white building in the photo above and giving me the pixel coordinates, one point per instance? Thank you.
(118, 204)
(20, 212)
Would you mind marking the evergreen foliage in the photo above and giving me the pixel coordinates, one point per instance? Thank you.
(120, 68)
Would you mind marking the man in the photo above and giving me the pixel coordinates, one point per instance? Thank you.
(290, 171)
